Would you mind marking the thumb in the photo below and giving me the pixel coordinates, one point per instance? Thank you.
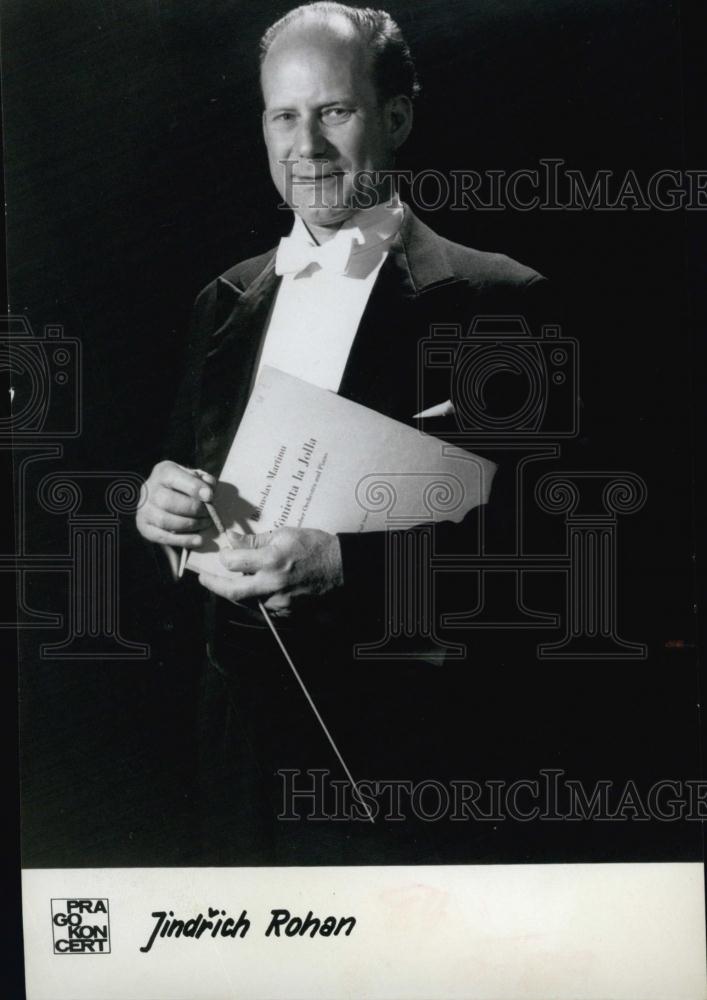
(240, 541)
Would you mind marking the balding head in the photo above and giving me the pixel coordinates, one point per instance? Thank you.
(393, 68)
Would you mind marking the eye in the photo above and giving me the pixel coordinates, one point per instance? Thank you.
(336, 115)
(282, 118)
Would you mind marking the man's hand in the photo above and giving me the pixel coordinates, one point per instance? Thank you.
(172, 511)
(282, 567)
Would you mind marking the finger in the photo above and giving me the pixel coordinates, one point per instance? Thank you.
(174, 522)
(241, 588)
(185, 481)
(174, 502)
(205, 476)
(246, 560)
(218, 585)
(278, 605)
(180, 541)
(258, 541)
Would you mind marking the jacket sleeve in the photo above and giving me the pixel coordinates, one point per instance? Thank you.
(180, 440)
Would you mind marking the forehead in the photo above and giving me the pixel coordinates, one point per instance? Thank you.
(311, 64)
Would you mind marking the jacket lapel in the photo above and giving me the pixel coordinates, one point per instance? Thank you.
(382, 370)
(229, 367)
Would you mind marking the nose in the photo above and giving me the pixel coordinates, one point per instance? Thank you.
(310, 140)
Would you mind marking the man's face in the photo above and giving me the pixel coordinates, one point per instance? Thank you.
(323, 119)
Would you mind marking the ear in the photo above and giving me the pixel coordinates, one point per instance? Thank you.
(400, 116)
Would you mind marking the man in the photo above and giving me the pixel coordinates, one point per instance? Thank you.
(343, 302)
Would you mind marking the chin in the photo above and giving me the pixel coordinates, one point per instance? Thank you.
(325, 216)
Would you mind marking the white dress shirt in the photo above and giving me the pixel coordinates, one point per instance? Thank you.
(324, 292)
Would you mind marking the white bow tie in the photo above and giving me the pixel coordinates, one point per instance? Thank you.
(294, 256)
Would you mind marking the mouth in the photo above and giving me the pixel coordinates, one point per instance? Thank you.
(317, 178)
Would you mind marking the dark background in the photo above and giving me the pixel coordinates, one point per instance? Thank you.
(135, 173)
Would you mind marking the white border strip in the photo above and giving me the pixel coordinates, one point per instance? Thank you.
(484, 932)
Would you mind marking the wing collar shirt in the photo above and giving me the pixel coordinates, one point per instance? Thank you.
(323, 294)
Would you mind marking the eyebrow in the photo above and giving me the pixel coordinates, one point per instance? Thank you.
(318, 107)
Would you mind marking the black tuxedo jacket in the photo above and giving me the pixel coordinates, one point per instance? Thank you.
(425, 280)
(390, 717)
